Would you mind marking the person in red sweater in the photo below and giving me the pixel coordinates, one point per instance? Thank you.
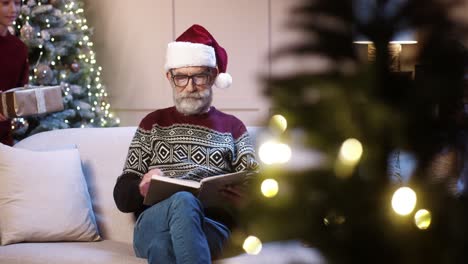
(14, 68)
(191, 140)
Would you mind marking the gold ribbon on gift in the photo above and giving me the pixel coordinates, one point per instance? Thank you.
(25, 101)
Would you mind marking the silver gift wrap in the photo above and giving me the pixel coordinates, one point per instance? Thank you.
(26, 101)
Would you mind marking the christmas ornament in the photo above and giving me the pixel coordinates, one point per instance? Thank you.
(75, 67)
(26, 31)
(44, 74)
(18, 124)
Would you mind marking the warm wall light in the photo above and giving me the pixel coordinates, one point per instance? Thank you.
(394, 48)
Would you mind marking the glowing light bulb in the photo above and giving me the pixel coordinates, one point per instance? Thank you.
(351, 151)
(284, 153)
(404, 201)
(252, 245)
(266, 152)
(423, 219)
(279, 122)
(269, 188)
(271, 152)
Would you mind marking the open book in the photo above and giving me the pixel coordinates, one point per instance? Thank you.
(208, 190)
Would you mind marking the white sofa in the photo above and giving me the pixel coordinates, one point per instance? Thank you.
(102, 152)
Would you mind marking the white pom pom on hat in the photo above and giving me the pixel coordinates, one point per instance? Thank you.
(223, 81)
(197, 47)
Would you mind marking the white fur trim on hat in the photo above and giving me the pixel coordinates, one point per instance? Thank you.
(223, 80)
(184, 54)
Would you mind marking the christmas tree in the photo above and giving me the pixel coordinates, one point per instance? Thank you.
(360, 116)
(61, 53)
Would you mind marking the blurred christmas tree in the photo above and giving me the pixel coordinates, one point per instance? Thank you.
(61, 53)
(359, 116)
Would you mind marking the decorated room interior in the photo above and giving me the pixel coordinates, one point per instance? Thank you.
(357, 110)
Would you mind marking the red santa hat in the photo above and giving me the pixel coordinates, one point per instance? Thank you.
(197, 47)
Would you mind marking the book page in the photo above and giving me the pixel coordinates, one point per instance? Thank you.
(162, 187)
(210, 190)
(188, 183)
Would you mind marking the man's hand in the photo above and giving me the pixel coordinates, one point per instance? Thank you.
(235, 195)
(2, 118)
(145, 181)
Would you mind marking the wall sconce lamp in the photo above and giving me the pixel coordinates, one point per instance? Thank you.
(394, 48)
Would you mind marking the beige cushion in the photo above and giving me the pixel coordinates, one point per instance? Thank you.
(102, 152)
(44, 197)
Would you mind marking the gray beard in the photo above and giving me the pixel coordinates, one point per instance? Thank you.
(193, 103)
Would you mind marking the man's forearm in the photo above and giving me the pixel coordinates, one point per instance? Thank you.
(127, 194)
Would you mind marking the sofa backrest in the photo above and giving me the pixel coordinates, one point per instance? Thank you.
(103, 152)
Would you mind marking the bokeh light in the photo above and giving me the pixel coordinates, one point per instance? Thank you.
(271, 152)
(351, 151)
(252, 245)
(278, 122)
(269, 188)
(404, 201)
(423, 219)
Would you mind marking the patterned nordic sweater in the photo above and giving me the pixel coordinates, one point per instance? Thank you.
(189, 147)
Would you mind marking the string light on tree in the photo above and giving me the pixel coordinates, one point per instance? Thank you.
(423, 219)
(278, 123)
(404, 201)
(272, 152)
(252, 245)
(349, 155)
(269, 188)
(350, 151)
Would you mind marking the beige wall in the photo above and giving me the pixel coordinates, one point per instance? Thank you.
(131, 37)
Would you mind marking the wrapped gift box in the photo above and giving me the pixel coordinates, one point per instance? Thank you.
(26, 101)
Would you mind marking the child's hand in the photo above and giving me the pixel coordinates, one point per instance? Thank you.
(145, 181)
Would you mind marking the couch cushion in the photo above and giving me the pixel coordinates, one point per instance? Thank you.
(70, 252)
(103, 152)
(44, 197)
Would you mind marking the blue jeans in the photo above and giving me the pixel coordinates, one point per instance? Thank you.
(176, 231)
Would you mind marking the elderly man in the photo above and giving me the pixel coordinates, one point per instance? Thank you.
(191, 140)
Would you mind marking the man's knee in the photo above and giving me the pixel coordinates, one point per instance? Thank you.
(186, 201)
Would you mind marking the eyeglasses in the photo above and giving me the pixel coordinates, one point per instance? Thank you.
(197, 79)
